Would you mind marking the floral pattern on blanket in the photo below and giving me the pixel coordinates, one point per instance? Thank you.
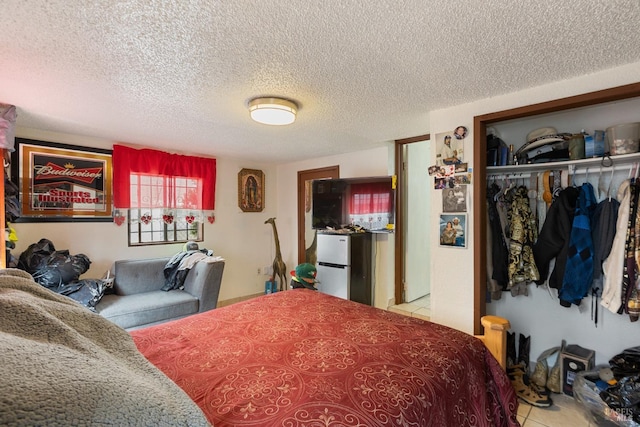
(301, 357)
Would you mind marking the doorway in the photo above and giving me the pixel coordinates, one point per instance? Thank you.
(402, 227)
(306, 233)
(417, 233)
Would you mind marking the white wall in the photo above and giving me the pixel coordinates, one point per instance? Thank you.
(374, 162)
(241, 238)
(452, 274)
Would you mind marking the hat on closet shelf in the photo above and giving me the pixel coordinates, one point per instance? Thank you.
(542, 136)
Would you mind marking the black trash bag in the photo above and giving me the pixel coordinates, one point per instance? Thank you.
(55, 270)
(80, 263)
(626, 364)
(60, 268)
(624, 395)
(87, 292)
(35, 256)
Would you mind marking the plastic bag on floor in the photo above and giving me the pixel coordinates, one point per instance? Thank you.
(588, 395)
(87, 292)
(626, 363)
(35, 256)
(60, 268)
(624, 396)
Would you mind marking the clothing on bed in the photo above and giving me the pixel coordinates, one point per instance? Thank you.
(63, 365)
(302, 357)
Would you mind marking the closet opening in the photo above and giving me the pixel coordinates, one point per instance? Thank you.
(480, 168)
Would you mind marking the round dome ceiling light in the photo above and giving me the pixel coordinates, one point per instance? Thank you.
(273, 111)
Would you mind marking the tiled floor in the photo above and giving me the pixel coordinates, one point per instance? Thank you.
(420, 308)
(564, 412)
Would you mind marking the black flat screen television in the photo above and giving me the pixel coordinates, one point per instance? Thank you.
(367, 202)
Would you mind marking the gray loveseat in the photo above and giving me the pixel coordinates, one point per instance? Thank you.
(139, 301)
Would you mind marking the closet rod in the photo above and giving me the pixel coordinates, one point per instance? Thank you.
(512, 175)
(571, 170)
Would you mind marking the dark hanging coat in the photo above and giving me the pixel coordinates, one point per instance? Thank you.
(553, 241)
(499, 251)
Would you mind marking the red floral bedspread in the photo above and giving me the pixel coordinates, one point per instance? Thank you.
(301, 357)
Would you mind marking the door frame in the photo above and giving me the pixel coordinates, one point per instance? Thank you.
(400, 225)
(304, 176)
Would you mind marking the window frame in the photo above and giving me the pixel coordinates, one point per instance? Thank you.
(175, 226)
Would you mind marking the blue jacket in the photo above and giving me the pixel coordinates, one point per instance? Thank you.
(578, 274)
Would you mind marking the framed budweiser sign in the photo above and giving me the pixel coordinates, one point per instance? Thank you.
(59, 182)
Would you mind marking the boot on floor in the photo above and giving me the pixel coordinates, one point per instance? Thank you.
(524, 346)
(511, 349)
(525, 389)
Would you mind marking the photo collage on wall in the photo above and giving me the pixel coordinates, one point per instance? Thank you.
(452, 175)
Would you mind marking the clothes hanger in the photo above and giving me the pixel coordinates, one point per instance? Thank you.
(601, 189)
(506, 186)
(610, 183)
(586, 176)
(632, 172)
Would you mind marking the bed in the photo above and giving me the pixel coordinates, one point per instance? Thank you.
(294, 358)
(303, 358)
(64, 365)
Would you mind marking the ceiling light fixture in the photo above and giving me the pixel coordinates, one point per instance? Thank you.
(273, 111)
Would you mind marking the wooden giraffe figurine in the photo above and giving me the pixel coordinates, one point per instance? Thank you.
(279, 267)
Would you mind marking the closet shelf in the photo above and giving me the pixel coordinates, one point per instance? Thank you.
(621, 159)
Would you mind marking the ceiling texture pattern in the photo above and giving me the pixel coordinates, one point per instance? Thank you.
(178, 75)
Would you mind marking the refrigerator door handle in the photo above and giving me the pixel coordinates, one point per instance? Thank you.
(328, 264)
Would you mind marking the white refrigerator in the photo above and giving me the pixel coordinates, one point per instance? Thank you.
(345, 266)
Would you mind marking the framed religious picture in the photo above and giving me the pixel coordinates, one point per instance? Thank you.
(62, 183)
(251, 190)
(453, 230)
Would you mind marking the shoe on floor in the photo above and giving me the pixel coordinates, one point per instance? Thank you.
(528, 381)
(524, 390)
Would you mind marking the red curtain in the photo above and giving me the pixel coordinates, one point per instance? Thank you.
(127, 160)
(370, 198)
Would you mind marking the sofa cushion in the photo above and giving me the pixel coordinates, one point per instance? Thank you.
(147, 307)
(136, 276)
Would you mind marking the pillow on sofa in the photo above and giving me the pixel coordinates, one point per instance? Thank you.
(64, 365)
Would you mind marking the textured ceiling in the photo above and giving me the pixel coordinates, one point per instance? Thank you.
(178, 75)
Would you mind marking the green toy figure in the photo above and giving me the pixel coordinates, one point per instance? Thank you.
(304, 276)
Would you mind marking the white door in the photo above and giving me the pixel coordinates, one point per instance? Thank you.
(418, 224)
(334, 280)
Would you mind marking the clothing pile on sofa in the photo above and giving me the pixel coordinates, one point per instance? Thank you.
(60, 271)
(591, 246)
(177, 268)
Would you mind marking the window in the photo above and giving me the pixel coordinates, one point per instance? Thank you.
(165, 195)
(370, 205)
(151, 222)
